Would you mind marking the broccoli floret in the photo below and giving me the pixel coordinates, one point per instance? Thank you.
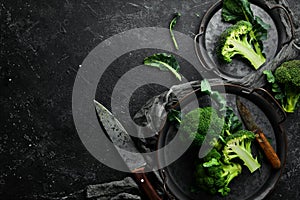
(238, 39)
(216, 178)
(213, 176)
(212, 162)
(213, 154)
(287, 75)
(216, 170)
(238, 145)
(200, 122)
(212, 158)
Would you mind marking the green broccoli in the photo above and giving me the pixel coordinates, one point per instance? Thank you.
(216, 169)
(216, 178)
(213, 176)
(213, 154)
(239, 39)
(238, 145)
(232, 122)
(200, 122)
(287, 75)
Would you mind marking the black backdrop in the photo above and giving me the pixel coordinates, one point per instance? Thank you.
(42, 45)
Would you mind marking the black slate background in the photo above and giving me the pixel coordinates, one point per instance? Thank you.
(42, 45)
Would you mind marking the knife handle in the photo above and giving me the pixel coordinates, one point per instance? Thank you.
(268, 149)
(145, 184)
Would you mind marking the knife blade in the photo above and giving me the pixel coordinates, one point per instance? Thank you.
(261, 139)
(126, 148)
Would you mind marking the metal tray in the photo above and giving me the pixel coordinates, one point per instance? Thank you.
(212, 26)
(179, 177)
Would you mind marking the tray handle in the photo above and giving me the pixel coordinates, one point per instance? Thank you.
(198, 50)
(207, 64)
(289, 19)
(273, 102)
(168, 195)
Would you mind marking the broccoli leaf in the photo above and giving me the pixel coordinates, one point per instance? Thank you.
(165, 62)
(278, 93)
(205, 86)
(271, 79)
(232, 122)
(260, 28)
(174, 116)
(215, 95)
(236, 10)
(171, 26)
(269, 75)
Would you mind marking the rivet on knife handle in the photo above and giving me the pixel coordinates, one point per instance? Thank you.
(260, 136)
(145, 184)
(126, 148)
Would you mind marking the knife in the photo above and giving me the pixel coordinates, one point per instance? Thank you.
(260, 136)
(126, 148)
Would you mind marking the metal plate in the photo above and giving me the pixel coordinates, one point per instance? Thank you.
(180, 174)
(239, 67)
(213, 26)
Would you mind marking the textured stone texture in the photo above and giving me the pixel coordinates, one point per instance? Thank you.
(115, 189)
(43, 44)
(122, 196)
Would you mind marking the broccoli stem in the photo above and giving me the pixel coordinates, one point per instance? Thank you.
(172, 70)
(254, 41)
(291, 102)
(244, 155)
(171, 26)
(245, 49)
(178, 120)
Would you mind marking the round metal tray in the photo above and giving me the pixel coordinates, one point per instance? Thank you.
(179, 176)
(212, 26)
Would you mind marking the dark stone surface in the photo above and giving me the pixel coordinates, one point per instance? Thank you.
(112, 189)
(42, 45)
